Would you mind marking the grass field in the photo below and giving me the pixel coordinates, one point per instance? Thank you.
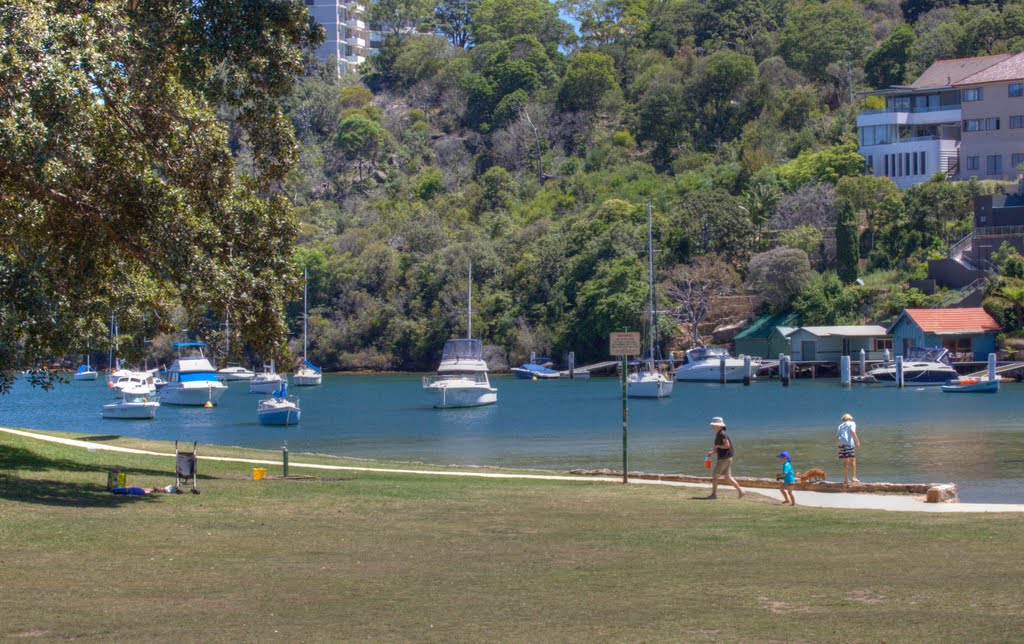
(415, 557)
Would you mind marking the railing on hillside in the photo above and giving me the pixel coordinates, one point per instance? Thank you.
(957, 296)
(953, 169)
(957, 250)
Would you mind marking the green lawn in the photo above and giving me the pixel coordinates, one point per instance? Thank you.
(414, 557)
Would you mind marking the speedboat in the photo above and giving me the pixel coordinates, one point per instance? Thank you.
(461, 379)
(704, 364)
(922, 366)
(307, 375)
(85, 372)
(538, 369)
(278, 410)
(235, 372)
(192, 380)
(266, 382)
(647, 381)
(135, 403)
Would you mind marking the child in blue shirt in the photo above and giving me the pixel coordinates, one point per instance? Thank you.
(787, 477)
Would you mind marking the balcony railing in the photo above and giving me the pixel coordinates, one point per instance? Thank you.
(912, 110)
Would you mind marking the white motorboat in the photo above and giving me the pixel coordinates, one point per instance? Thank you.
(648, 381)
(192, 379)
(266, 382)
(235, 372)
(461, 379)
(308, 375)
(704, 364)
(921, 367)
(136, 403)
(278, 410)
(142, 380)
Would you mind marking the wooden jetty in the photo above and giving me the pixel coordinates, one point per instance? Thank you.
(1009, 369)
(816, 486)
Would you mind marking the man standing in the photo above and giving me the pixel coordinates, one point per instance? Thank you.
(847, 440)
(723, 446)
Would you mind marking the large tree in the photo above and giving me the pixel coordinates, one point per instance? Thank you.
(118, 190)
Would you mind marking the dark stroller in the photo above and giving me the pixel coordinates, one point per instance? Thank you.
(185, 468)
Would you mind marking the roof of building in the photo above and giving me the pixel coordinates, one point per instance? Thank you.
(947, 321)
(763, 326)
(944, 73)
(1010, 69)
(851, 331)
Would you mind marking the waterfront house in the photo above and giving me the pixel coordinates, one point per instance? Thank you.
(765, 337)
(968, 333)
(992, 117)
(829, 343)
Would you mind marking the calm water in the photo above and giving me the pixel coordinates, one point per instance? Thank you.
(913, 435)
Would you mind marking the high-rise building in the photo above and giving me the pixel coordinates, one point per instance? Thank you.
(349, 38)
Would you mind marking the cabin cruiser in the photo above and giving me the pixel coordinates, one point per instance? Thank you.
(143, 380)
(135, 403)
(704, 364)
(461, 379)
(192, 380)
(921, 367)
(235, 372)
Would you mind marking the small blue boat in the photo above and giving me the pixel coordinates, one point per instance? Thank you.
(971, 386)
(536, 370)
(278, 410)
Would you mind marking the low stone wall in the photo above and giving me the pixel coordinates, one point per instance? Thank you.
(934, 492)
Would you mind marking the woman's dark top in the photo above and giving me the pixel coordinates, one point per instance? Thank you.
(720, 438)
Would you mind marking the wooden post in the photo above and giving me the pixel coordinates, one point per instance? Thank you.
(721, 370)
(572, 365)
(992, 366)
(899, 371)
(784, 369)
(863, 363)
(844, 371)
(746, 370)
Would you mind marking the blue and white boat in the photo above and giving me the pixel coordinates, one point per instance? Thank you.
(536, 370)
(278, 410)
(922, 366)
(85, 372)
(192, 380)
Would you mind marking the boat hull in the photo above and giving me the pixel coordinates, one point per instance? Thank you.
(455, 397)
(264, 386)
(526, 374)
(712, 372)
(977, 387)
(306, 380)
(89, 375)
(914, 378)
(649, 388)
(281, 416)
(131, 411)
(177, 394)
(235, 377)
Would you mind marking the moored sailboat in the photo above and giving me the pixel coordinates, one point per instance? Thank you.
(648, 381)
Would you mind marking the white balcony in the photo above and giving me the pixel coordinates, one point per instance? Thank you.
(355, 41)
(931, 116)
(354, 23)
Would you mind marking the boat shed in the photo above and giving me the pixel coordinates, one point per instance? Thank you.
(968, 333)
(765, 337)
(829, 343)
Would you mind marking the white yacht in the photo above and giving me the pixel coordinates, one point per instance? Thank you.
(140, 380)
(85, 372)
(461, 379)
(136, 403)
(192, 380)
(235, 372)
(266, 382)
(921, 367)
(307, 375)
(704, 364)
(648, 381)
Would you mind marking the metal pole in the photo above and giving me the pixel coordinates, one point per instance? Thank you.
(844, 371)
(625, 422)
(284, 458)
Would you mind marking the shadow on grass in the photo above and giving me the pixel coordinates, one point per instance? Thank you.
(19, 458)
(62, 493)
(99, 437)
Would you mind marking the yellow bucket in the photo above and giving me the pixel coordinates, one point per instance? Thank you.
(258, 473)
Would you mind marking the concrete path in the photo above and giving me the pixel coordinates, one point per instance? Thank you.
(896, 503)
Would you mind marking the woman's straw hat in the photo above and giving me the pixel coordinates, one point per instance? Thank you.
(847, 417)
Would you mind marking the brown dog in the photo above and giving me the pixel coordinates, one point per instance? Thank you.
(813, 474)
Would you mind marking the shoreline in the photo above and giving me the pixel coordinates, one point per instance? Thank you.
(838, 500)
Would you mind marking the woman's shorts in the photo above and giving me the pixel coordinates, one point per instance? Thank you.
(847, 451)
(723, 467)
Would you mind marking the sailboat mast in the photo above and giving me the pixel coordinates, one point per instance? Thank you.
(650, 269)
(469, 320)
(305, 296)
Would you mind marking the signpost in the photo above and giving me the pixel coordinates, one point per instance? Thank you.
(624, 344)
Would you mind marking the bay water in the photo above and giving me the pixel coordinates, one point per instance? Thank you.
(919, 435)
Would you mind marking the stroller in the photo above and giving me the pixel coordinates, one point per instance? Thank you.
(185, 467)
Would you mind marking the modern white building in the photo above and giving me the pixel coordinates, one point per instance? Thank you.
(918, 132)
(349, 38)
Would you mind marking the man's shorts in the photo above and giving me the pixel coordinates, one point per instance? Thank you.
(724, 467)
(847, 451)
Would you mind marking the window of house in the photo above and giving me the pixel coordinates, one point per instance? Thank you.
(923, 171)
(1017, 121)
(1016, 89)
(960, 348)
(870, 164)
(885, 162)
(1016, 159)
(914, 157)
(994, 164)
(979, 125)
(991, 124)
(972, 162)
(881, 344)
(972, 94)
